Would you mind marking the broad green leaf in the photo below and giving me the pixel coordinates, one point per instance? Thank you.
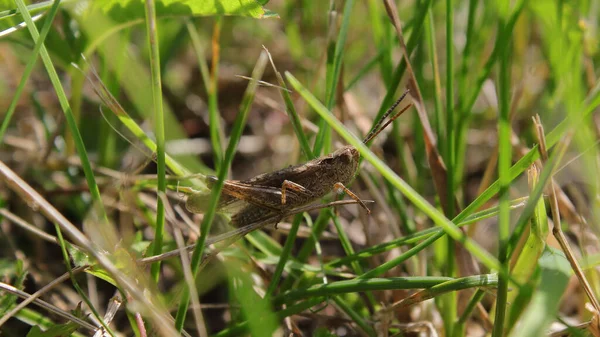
(128, 10)
(262, 321)
(555, 273)
(133, 10)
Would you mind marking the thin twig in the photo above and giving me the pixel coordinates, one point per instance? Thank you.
(33, 198)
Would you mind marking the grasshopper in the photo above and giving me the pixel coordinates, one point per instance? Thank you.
(269, 194)
(270, 197)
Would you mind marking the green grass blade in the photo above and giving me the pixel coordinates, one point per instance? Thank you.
(151, 31)
(555, 274)
(475, 281)
(64, 103)
(450, 300)
(417, 236)
(360, 285)
(504, 163)
(29, 67)
(210, 80)
(528, 258)
(292, 113)
(236, 134)
(437, 217)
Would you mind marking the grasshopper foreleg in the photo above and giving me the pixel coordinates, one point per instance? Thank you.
(340, 188)
(290, 185)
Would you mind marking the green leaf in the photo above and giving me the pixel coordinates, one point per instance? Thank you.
(128, 10)
(555, 273)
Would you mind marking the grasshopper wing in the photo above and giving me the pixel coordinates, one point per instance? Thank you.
(199, 202)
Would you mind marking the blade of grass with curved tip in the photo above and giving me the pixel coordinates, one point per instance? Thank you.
(236, 134)
(437, 217)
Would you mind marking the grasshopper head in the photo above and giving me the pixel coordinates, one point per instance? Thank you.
(347, 158)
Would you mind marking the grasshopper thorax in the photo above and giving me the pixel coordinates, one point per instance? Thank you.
(345, 161)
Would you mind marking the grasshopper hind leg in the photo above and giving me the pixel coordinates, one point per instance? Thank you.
(290, 185)
(340, 188)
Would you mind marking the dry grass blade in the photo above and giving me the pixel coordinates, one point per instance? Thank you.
(32, 197)
(52, 308)
(33, 297)
(27, 226)
(113, 307)
(436, 163)
(466, 263)
(556, 229)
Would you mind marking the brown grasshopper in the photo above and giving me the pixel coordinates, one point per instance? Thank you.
(270, 197)
(273, 193)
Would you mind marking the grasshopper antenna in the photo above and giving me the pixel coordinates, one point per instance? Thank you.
(378, 127)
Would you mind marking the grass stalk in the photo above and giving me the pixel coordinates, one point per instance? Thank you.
(64, 103)
(28, 68)
(214, 117)
(437, 217)
(450, 299)
(504, 163)
(437, 88)
(236, 134)
(159, 130)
